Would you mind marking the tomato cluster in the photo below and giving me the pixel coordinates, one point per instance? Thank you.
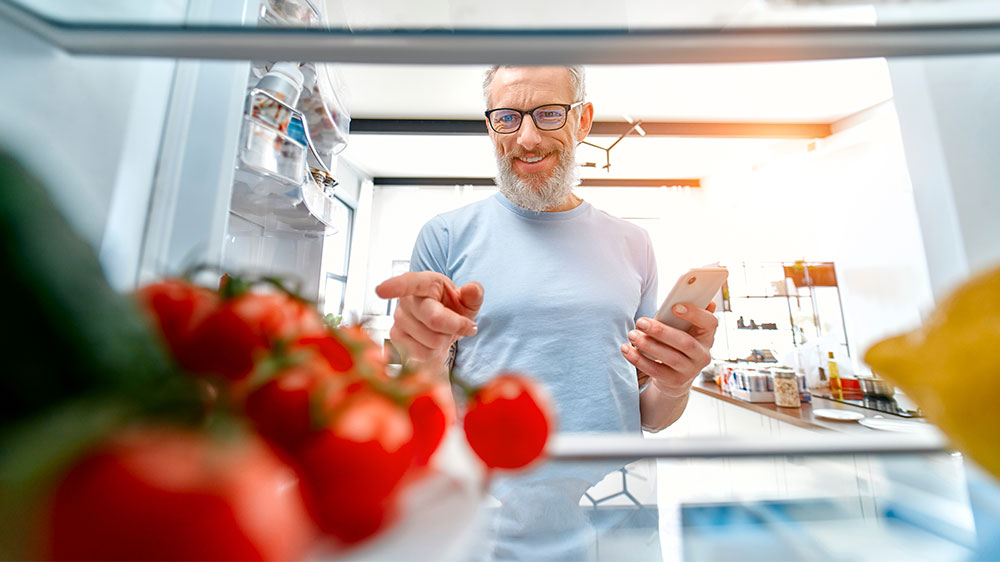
(335, 437)
(167, 493)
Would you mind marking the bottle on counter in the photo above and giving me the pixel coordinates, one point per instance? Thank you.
(833, 372)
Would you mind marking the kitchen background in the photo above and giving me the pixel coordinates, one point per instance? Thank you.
(881, 168)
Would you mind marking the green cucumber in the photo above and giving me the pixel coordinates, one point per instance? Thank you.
(65, 330)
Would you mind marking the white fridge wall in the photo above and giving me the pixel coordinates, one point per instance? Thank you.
(127, 11)
(89, 128)
(949, 116)
(298, 259)
(190, 207)
(187, 219)
(137, 152)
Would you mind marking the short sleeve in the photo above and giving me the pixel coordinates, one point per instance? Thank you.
(430, 252)
(650, 282)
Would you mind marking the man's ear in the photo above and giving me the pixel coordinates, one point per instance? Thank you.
(586, 121)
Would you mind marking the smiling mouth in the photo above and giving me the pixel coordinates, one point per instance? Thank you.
(532, 159)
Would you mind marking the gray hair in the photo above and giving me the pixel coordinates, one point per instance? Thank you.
(577, 80)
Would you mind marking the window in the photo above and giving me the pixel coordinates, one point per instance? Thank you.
(399, 267)
(333, 291)
(336, 255)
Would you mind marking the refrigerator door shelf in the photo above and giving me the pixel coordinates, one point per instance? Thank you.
(319, 200)
(279, 209)
(322, 105)
(298, 13)
(271, 153)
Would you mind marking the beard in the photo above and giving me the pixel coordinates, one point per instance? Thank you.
(536, 192)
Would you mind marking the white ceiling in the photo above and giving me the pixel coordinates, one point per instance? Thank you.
(631, 14)
(641, 14)
(794, 92)
(822, 91)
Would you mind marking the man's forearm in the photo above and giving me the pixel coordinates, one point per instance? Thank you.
(658, 409)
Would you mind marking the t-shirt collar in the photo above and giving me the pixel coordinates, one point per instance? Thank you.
(541, 215)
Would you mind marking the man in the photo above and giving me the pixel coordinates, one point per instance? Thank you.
(536, 280)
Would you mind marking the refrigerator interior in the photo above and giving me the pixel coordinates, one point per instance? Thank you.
(143, 151)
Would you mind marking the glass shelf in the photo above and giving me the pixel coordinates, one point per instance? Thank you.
(468, 33)
(361, 15)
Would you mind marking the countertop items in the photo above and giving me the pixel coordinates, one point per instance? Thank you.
(786, 388)
(810, 415)
(897, 405)
(901, 426)
(874, 386)
(838, 415)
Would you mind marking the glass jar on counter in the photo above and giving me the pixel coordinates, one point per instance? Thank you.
(786, 388)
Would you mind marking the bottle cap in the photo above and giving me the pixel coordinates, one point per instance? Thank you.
(285, 80)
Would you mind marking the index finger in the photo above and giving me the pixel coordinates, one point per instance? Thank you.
(426, 284)
(440, 319)
(698, 317)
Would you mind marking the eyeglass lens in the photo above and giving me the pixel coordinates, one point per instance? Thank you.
(547, 118)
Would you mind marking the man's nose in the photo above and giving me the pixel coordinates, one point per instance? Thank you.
(528, 136)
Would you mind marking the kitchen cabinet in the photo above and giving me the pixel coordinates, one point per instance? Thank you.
(760, 479)
(863, 487)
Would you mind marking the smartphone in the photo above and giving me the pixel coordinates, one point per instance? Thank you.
(698, 286)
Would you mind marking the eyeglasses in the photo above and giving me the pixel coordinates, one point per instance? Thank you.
(548, 117)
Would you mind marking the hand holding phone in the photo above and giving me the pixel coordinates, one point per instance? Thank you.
(698, 286)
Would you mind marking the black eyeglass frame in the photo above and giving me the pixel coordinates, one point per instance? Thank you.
(567, 106)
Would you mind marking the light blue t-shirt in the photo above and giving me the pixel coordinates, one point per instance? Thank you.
(561, 292)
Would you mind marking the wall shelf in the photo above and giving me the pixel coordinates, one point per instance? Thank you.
(808, 314)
